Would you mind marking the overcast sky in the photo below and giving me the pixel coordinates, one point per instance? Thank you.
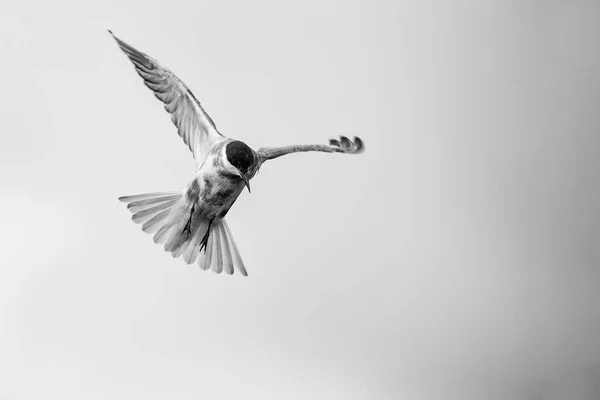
(457, 258)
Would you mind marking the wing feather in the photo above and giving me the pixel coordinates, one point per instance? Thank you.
(194, 125)
(343, 145)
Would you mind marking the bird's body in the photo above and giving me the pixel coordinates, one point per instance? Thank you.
(212, 192)
(214, 188)
(191, 223)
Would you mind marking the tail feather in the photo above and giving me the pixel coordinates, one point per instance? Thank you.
(176, 239)
(216, 261)
(142, 215)
(191, 253)
(148, 196)
(205, 256)
(136, 206)
(165, 215)
(188, 244)
(221, 252)
(225, 251)
(156, 211)
(182, 248)
(154, 223)
(162, 234)
(235, 253)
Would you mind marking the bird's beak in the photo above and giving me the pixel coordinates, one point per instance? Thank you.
(247, 182)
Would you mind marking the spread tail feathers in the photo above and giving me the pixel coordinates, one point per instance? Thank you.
(166, 215)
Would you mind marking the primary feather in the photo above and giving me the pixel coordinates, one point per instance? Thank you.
(194, 125)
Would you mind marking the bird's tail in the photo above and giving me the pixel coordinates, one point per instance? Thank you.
(166, 215)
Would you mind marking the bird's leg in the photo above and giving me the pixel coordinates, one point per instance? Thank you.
(204, 241)
(188, 224)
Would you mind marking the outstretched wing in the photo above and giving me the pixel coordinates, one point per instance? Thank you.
(194, 125)
(343, 145)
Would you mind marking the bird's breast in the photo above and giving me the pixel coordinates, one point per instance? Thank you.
(214, 192)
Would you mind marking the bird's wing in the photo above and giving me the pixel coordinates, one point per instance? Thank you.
(194, 125)
(343, 145)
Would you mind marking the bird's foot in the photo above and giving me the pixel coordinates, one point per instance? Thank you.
(204, 241)
(188, 225)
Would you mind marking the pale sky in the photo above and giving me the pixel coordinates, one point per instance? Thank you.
(457, 258)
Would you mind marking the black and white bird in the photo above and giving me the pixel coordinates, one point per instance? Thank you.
(191, 223)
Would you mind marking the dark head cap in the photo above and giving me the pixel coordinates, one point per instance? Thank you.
(239, 155)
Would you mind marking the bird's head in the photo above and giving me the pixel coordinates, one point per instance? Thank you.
(241, 157)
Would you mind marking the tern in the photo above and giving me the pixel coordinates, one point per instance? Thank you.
(191, 223)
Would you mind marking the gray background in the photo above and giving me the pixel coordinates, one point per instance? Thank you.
(456, 259)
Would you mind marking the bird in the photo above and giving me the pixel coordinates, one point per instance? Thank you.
(191, 223)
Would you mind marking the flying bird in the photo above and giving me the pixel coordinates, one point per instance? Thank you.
(191, 223)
